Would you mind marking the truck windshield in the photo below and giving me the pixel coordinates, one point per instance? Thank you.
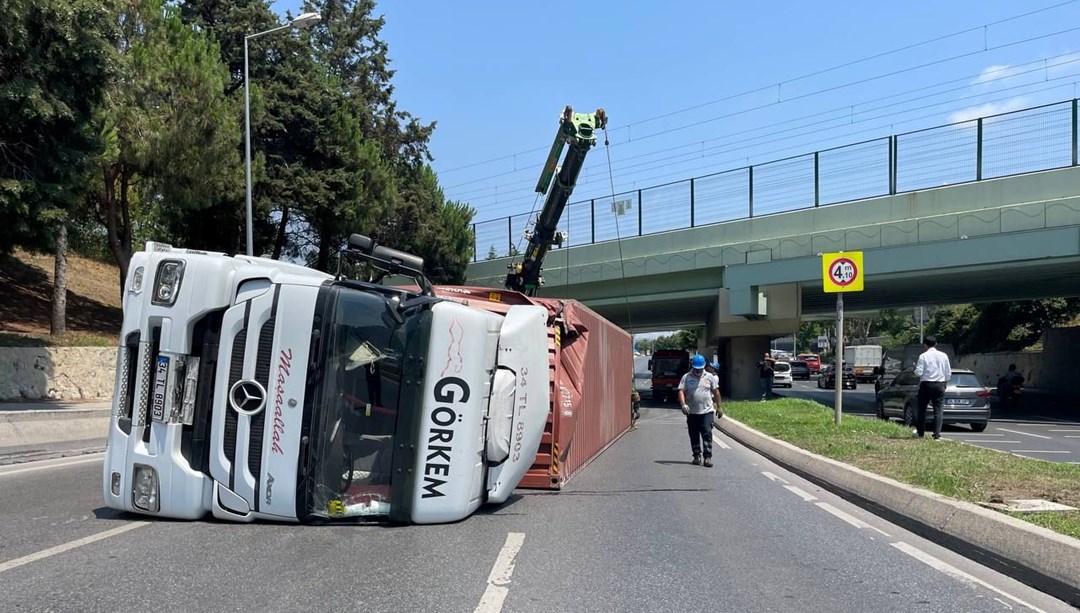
(670, 367)
(355, 417)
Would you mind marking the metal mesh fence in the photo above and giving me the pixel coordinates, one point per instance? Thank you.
(853, 172)
(518, 225)
(617, 217)
(1026, 141)
(785, 185)
(722, 197)
(492, 239)
(577, 223)
(1023, 141)
(666, 207)
(936, 157)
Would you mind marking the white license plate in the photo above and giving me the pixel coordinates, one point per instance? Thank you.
(957, 401)
(161, 384)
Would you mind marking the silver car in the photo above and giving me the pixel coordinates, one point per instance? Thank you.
(966, 400)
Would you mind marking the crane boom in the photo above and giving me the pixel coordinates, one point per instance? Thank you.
(556, 181)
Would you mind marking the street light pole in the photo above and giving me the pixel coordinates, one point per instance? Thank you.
(303, 21)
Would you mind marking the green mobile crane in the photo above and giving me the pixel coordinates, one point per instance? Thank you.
(557, 182)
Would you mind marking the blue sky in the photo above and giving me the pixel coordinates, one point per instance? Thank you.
(495, 76)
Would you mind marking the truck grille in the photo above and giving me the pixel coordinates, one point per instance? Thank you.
(236, 372)
(262, 375)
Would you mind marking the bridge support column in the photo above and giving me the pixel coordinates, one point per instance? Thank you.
(740, 356)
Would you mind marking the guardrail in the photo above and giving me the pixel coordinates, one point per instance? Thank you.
(1018, 142)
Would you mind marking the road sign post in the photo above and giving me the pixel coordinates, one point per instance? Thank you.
(841, 272)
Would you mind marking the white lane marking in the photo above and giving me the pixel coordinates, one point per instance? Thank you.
(958, 574)
(851, 519)
(801, 493)
(499, 578)
(1000, 442)
(1024, 433)
(973, 434)
(773, 477)
(1064, 430)
(17, 469)
(86, 540)
(1003, 603)
(1036, 451)
(721, 444)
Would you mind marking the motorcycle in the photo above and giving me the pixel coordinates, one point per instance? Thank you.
(1009, 390)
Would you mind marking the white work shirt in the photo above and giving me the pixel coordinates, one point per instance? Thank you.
(933, 365)
(699, 391)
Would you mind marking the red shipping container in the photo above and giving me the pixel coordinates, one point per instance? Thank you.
(591, 373)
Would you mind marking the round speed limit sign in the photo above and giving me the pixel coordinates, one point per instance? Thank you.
(842, 272)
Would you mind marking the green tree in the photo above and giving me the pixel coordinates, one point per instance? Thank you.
(170, 138)
(686, 339)
(54, 65)
(492, 254)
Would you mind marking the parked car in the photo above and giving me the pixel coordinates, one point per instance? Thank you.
(967, 401)
(800, 370)
(898, 359)
(812, 360)
(827, 380)
(781, 374)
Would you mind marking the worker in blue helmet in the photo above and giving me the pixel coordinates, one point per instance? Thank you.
(699, 395)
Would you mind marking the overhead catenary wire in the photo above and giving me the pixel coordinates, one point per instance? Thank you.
(775, 103)
(1057, 85)
(984, 27)
(802, 131)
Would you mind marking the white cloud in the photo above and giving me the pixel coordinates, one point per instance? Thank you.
(995, 73)
(989, 108)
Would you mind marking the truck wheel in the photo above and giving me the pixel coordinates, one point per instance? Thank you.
(978, 427)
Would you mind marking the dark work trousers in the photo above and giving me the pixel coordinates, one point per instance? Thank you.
(931, 392)
(700, 427)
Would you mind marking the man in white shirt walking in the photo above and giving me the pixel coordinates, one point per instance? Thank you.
(699, 395)
(934, 372)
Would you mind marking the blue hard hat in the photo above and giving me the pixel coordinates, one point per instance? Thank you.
(715, 365)
(698, 361)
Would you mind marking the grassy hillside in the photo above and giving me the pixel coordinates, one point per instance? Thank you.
(93, 305)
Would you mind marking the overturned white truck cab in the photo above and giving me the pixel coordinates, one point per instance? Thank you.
(249, 388)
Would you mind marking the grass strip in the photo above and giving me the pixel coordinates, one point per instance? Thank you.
(954, 469)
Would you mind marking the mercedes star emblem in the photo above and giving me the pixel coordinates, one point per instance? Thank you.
(247, 396)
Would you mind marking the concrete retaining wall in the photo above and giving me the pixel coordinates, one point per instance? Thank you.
(1054, 369)
(57, 373)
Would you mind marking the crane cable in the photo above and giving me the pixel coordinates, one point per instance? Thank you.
(618, 236)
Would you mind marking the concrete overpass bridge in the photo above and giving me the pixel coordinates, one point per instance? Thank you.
(993, 235)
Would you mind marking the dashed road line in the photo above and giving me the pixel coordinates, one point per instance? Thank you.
(773, 477)
(851, 519)
(499, 578)
(1025, 433)
(86, 540)
(958, 574)
(18, 469)
(801, 493)
(1064, 430)
(998, 441)
(721, 444)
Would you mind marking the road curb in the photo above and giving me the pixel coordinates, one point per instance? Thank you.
(23, 428)
(1035, 555)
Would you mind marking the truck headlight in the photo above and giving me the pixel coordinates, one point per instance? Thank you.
(167, 282)
(144, 488)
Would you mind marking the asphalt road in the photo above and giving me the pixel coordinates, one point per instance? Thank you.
(640, 529)
(1042, 431)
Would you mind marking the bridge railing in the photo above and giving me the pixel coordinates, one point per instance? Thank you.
(1018, 142)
